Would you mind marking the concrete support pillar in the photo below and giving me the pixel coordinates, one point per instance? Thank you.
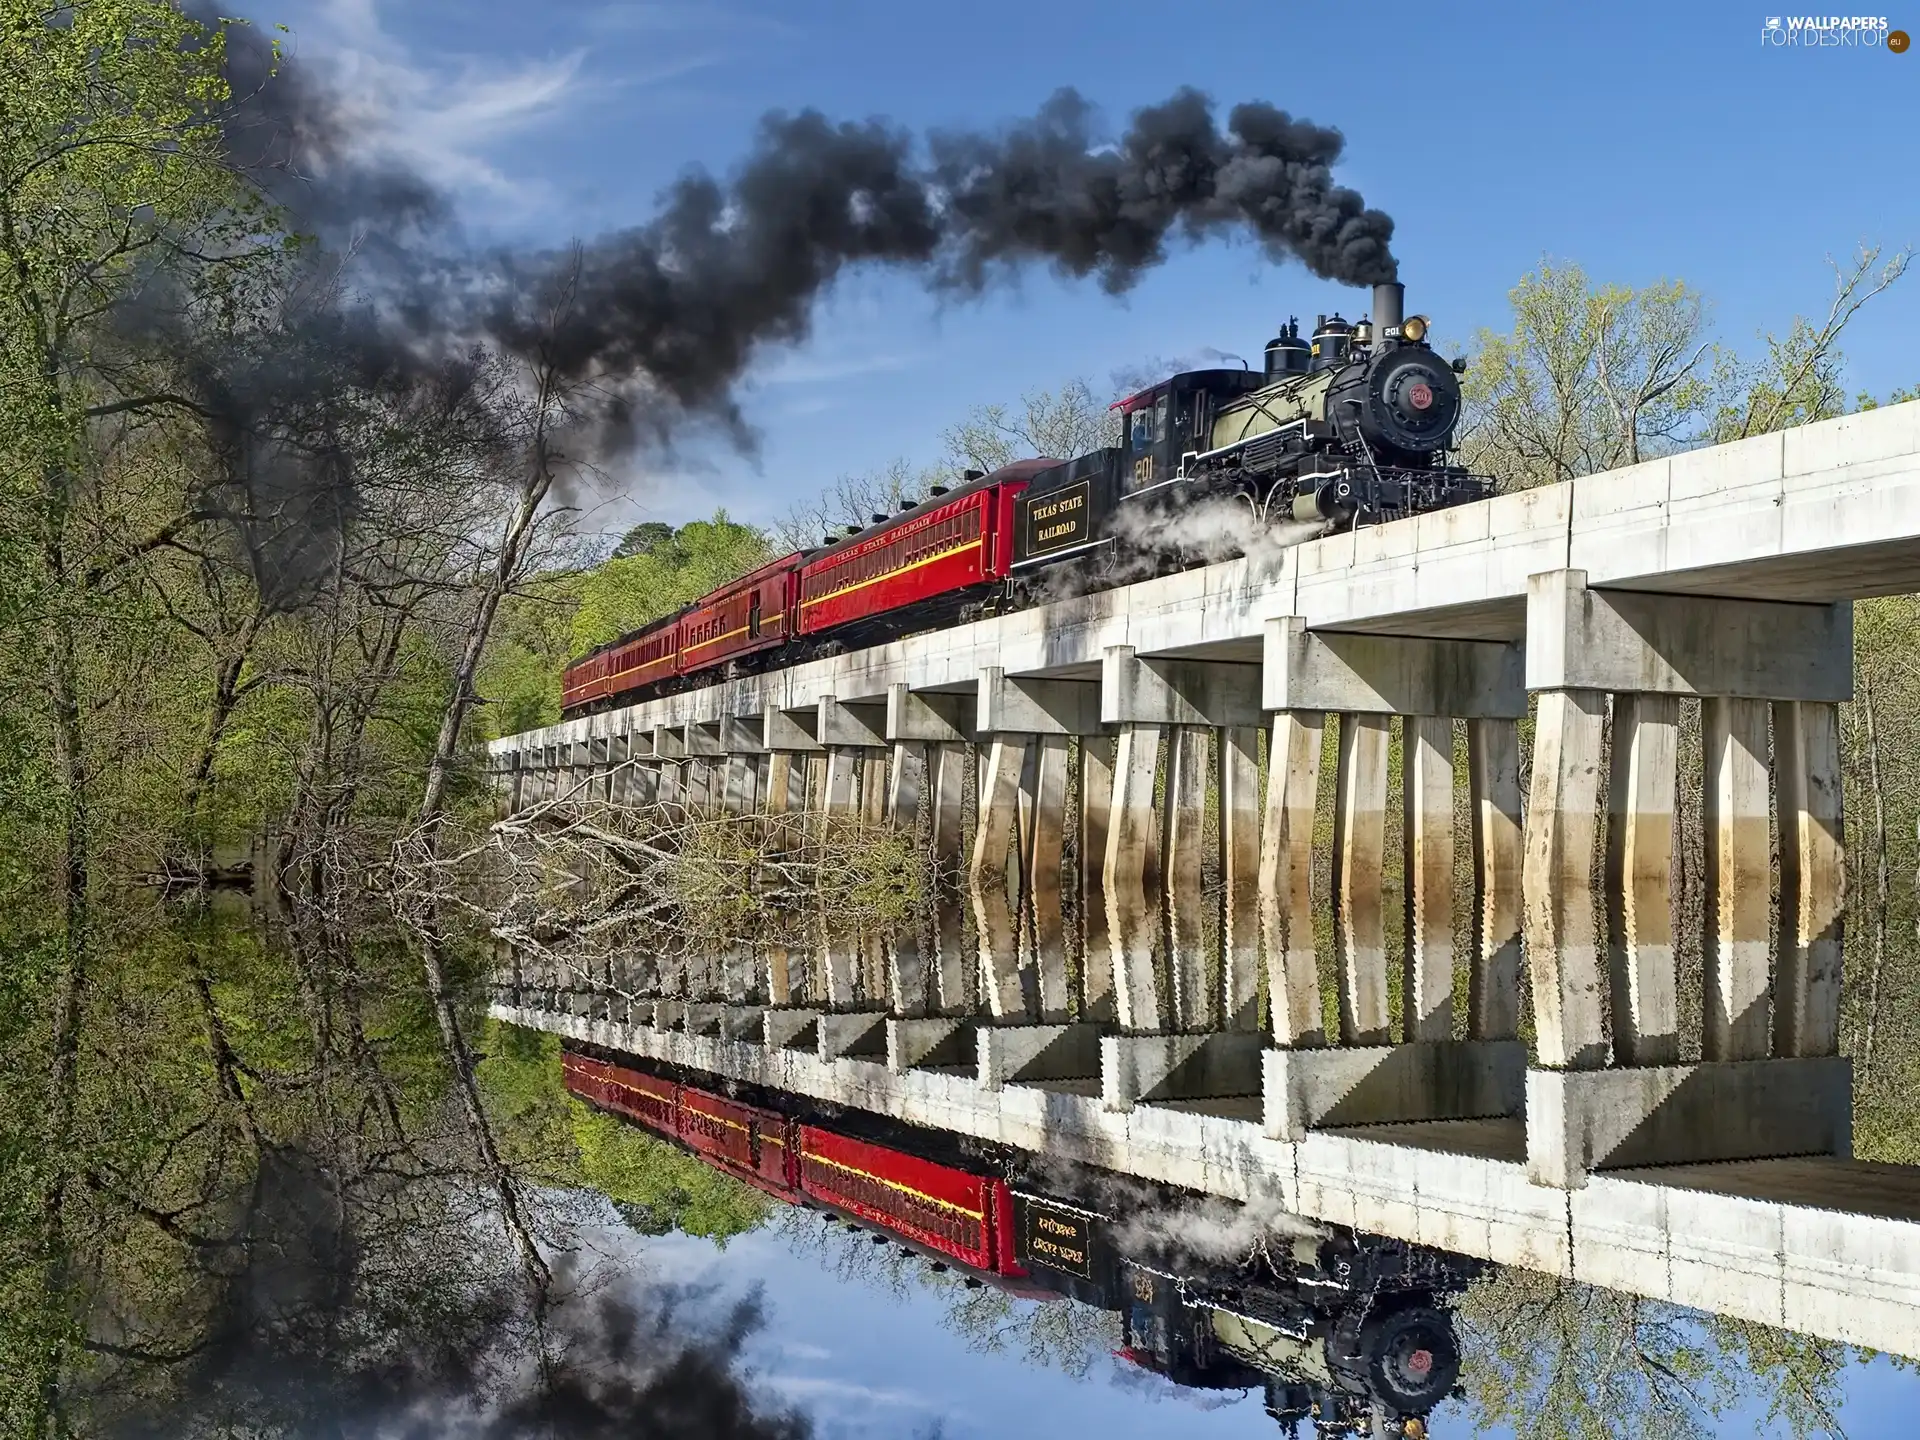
(947, 806)
(1806, 988)
(1738, 835)
(1131, 910)
(1183, 839)
(1493, 770)
(1641, 818)
(742, 771)
(873, 789)
(840, 798)
(1286, 878)
(1359, 838)
(1238, 785)
(1044, 802)
(1755, 1092)
(1096, 803)
(670, 745)
(786, 782)
(599, 767)
(908, 981)
(1426, 748)
(993, 911)
(1562, 950)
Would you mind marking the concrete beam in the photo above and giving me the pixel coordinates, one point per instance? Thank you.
(1386, 1084)
(743, 735)
(1025, 1054)
(1136, 1069)
(791, 730)
(1581, 1121)
(1630, 641)
(934, 718)
(854, 724)
(1012, 706)
(926, 1042)
(860, 1035)
(703, 739)
(1149, 690)
(1390, 674)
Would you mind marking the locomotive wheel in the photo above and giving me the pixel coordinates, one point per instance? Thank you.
(1411, 1358)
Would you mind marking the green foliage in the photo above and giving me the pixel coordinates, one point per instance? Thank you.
(631, 590)
(1589, 378)
(656, 1186)
(1557, 1360)
(654, 571)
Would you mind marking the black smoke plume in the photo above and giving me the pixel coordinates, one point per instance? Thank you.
(670, 314)
(648, 326)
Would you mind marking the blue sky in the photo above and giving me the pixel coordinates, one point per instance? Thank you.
(1643, 140)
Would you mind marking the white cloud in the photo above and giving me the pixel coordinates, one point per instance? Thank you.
(440, 116)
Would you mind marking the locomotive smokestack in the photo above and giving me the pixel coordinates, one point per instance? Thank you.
(1389, 307)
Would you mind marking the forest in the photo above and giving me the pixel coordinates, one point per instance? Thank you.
(281, 548)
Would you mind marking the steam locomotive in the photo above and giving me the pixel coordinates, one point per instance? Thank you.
(1351, 426)
(1345, 1331)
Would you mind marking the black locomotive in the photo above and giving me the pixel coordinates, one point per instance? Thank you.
(1352, 426)
(1349, 1333)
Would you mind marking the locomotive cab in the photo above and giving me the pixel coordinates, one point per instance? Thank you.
(1171, 420)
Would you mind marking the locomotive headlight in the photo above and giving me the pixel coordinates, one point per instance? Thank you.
(1414, 328)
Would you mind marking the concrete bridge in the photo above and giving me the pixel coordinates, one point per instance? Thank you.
(1512, 1086)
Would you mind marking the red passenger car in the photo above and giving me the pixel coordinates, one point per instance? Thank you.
(931, 554)
(964, 1216)
(743, 1140)
(635, 662)
(753, 613)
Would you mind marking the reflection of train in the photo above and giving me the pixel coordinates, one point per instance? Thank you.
(1345, 1331)
(1351, 425)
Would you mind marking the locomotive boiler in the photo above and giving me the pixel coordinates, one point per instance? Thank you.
(1352, 424)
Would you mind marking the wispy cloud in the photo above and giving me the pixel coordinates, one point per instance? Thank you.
(440, 116)
(823, 1387)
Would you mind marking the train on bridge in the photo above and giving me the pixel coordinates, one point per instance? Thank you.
(1351, 425)
(1343, 1332)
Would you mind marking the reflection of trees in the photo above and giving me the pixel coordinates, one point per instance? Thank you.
(1559, 1360)
(1059, 1334)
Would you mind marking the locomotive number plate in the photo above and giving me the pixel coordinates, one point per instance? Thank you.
(1058, 1239)
(1057, 520)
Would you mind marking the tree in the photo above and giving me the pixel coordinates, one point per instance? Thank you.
(1064, 423)
(1588, 379)
(1798, 381)
(853, 501)
(1559, 1360)
(642, 539)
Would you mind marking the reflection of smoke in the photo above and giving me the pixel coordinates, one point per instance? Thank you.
(1207, 1228)
(323, 1332)
(1162, 1227)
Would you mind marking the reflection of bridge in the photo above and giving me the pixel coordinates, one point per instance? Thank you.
(1196, 706)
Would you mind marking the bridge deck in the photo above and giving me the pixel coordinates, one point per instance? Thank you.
(1821, 513)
